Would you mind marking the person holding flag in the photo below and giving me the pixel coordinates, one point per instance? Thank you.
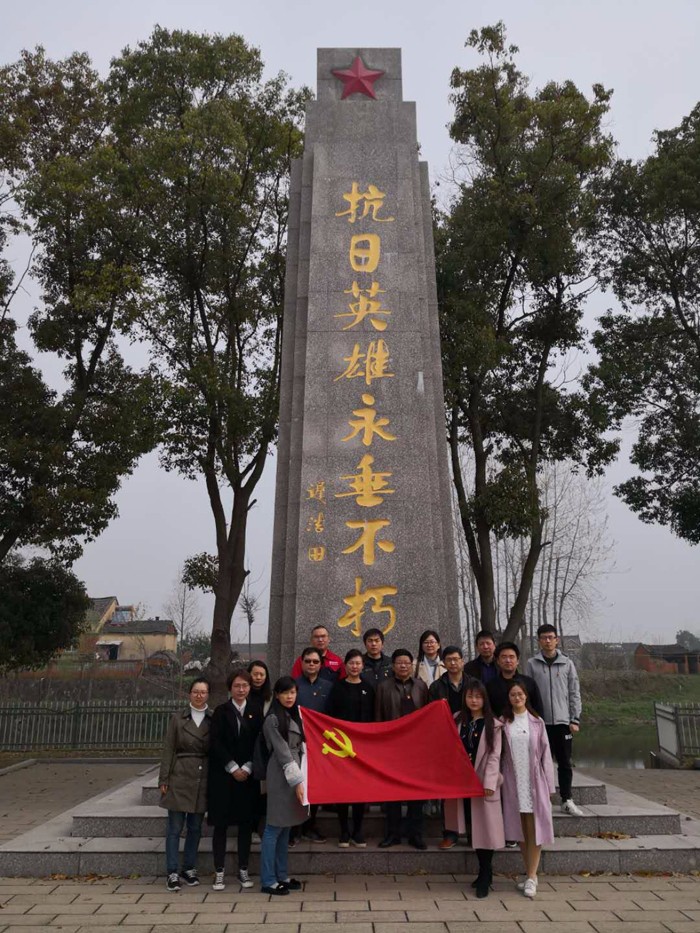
(396, 697)
(481, 735)
(352, 700)
(284, 737)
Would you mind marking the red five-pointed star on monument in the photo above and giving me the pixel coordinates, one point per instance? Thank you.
(357, 79)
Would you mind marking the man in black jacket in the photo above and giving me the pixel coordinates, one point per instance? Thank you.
(377, 667)
(483, 667)
(450, 686)
(507, 656)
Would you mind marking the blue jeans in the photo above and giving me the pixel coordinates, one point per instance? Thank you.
(273, 855)
(176, 820)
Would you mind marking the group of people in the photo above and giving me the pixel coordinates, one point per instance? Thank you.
(242, 764)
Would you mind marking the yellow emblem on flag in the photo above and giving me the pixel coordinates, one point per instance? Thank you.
(343, 744)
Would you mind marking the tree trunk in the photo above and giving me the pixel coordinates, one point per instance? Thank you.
(229, 584)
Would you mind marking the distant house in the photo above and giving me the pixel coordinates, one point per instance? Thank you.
(666, 659)
(137, 640)
(114, 634)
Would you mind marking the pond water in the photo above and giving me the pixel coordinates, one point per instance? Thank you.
(611, 746)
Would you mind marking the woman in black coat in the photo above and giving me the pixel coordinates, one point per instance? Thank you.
(352, 699)
(233, 794)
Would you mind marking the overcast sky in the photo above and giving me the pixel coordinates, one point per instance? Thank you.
(645, 50)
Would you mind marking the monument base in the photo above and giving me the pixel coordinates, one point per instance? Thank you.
(121, 833)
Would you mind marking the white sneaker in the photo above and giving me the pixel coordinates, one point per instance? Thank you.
(521, 884)
(530, 888)
(244, 878)
(568, 806)
(219, 882)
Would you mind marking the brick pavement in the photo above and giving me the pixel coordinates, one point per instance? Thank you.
(360, 904)
(31, 796)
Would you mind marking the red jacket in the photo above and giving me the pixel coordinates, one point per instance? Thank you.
(332, 666)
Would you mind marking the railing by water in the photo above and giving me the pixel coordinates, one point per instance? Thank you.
(103, 724)
(678, 731)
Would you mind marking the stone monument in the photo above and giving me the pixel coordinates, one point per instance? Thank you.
(363, 531)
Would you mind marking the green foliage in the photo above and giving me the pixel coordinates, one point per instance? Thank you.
(198, 644)
(200, 572)
(649, 352)
(514, 269)
(42, 611)
(209, 147)
(64, 453)
(688, 640)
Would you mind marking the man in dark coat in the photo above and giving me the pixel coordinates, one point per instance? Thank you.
(450, 686)
(377, 666)
(234, 795)
(483, 667)
(507, 657)
(398, 696)
(313, 691)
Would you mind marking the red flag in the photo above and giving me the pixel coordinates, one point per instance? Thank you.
(417, 757)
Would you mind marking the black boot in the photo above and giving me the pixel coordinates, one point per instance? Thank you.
(485, 876)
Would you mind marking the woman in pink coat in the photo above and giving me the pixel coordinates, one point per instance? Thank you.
(480, 733)
(528, 781)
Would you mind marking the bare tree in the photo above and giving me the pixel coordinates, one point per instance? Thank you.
(182, 607)
(250, 604)
(578, 551)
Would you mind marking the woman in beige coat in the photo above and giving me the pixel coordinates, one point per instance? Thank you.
(183, 783)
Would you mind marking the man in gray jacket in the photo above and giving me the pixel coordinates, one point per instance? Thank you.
(557, 682)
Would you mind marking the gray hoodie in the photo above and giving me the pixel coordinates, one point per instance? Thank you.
(559, 688)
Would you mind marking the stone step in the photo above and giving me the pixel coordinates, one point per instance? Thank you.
(141, 821)
(125, 857)
(586, 790)
(53, 848)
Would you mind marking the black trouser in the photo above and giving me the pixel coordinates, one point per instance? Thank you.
(358, 814)
(560, 744)
(218, 845)
(414, 819)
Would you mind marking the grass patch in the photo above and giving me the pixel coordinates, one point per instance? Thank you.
(629, 696)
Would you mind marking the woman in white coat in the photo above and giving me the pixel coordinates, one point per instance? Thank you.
(528, 781)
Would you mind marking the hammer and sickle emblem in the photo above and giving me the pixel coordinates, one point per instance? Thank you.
(343, 744)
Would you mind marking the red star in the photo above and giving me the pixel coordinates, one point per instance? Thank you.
(357, 79)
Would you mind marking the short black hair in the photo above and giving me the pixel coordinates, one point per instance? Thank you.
(401, 653)
(310, 650)
(484, 633)
(507, 645)
(546, 629)
(352, 653)
(373, 632)
(452, 649)
(317, 627)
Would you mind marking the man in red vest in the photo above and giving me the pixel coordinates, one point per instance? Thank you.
(332, 666)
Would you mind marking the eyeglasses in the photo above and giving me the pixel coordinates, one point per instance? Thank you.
(311, 661)
(548, 637)
(199, 693)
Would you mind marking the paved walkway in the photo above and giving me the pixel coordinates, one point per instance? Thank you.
(31, 796)
(679, 790)
(366, 904)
